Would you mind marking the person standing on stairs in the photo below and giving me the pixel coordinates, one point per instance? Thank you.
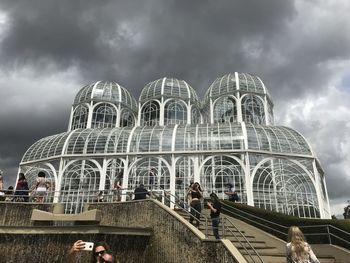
(298, 250)
(196, 206)
(215, 208)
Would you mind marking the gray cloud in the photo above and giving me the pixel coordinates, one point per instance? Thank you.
(116, 40)
(50, 49)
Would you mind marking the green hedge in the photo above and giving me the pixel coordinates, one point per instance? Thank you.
(277, 224)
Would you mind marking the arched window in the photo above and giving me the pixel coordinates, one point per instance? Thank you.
(225, 110)
(80, 117)
(79, 185)
(284, 186)
(253, 110)
(195, 116)
(127, 119)
(184, 172)
(175, 113)
(152, 172)
(218, 171)
(150, 114)
(104, 116)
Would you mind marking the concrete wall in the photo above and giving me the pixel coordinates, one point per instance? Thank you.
(43, 248)
(18, 214)
(173, 238)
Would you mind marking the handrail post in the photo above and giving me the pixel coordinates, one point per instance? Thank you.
(329, 235)
(223, 228)
(172, 204)
(163, 197)
(206, 227)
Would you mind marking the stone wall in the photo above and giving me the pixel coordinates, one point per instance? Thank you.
(43, 248)
(172, 238)
(18, 214)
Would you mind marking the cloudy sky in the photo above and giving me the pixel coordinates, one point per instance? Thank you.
(300, 49)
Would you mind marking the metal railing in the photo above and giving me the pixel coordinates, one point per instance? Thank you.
(179, 204)
(226, 226)
(247, 246)
(329, 231)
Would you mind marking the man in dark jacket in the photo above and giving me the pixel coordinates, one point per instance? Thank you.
(140, 193)
(215, 208)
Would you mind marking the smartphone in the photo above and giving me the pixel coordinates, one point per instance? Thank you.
(88, 246)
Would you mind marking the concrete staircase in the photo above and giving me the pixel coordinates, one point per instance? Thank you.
(269, 248)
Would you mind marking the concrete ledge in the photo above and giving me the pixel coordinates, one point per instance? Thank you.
(77, 230)
(195, 230)
(91, 215)
(234, 251)
(227, 243)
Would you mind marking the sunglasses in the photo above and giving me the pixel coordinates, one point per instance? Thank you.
(99, 253)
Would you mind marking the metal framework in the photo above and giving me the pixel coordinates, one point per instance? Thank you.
(228, 137)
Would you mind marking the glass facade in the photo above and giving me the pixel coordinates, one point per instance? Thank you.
(171, 138)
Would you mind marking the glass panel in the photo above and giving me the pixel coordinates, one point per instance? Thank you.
(283, 186)
(175, 113)
(80, 117)
(104, 115)
(150, 114)
(253, 109)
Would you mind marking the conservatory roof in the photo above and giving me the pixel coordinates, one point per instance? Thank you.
(233, 82)
(220, 137)
(168, 88)
(107, 92)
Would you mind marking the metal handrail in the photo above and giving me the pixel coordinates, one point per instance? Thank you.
(285, 228)
(255, 222)
(86, 196)
(226, 228)
(177, 203)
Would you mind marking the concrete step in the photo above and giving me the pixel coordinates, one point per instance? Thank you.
(233, 237)
(269, 254)
(256, 246)
(280, 259)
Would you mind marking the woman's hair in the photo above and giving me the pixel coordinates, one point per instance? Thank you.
(214, 196)
(298, 242)
(21, 176)
(198, 186)
(100, 244)
(41, 174)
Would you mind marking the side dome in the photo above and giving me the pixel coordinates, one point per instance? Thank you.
(238, 97)
(107, 103)
(168, 88)
(169, 101)
(105, 91)
(230, 83)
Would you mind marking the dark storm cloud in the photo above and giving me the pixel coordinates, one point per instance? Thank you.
(49, 49)
(193, 40)
(131, 42)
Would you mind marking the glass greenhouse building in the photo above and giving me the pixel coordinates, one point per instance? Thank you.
(228, 137)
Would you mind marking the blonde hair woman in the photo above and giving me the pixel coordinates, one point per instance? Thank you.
(298, 250)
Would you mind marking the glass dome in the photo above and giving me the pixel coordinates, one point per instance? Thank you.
(238, 97)
(107, 92)
(169, 101)
(168, 88)
(102, 105)
(233, 82)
